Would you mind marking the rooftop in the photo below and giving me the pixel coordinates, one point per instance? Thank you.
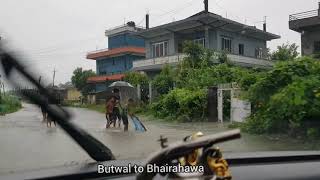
(97, 79)
(129, 27)
(308, 20)
(212, 20)
(105, 53)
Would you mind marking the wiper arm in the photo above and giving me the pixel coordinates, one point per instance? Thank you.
(181, 149)
(95, 149)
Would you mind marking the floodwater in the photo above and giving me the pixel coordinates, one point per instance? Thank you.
(26, 143)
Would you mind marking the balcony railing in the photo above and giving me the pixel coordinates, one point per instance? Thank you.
(159, 60)
(235, 59)
(304, 15)
(250, 61)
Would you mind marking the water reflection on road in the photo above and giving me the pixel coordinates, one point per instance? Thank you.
(26, 142)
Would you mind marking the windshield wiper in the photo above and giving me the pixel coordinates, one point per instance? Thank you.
(95, 149)
(181, 149)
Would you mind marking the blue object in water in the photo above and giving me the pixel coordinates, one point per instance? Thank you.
(138, 124)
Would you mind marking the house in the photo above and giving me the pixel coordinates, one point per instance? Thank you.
(123, 49)
(246, 45)
(308, 24)
(70, 93)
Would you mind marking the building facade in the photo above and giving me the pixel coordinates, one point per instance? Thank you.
(124, 47)
(245, 45)
(308, 24)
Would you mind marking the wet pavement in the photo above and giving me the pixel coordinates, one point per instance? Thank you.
(26, 143)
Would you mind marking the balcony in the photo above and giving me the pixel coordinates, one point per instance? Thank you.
(156, 64)
(250, 61)
(302, 21)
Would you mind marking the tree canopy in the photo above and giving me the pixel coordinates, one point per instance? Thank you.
(79, 78)
(285, 52)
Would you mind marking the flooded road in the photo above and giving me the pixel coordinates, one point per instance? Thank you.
(26, 143)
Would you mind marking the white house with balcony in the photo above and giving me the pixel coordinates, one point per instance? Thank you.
(246, 45)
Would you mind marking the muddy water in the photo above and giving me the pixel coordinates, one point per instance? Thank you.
(26, 143)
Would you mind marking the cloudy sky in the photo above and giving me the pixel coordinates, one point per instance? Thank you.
(58, 33)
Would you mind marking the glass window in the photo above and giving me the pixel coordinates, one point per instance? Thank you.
(317, 47)
(226, 44)
(160, 49)
(165, 48)
(200, 41)
(153, 50)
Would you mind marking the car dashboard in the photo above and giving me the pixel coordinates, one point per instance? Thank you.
(244, 166)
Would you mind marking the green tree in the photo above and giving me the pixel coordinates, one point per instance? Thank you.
(136, 78)
(285, 52)
(164, 82)
(79, 79)
(286, 98)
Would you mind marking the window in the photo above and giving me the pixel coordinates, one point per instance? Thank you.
(200, 41)
(160, 49)
(259, 53)
(317, 47)
(226, 44)
(241, 49)
(113, 62)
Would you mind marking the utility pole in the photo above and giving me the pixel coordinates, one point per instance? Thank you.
(39, 79)
(0, 90)
(54, 76)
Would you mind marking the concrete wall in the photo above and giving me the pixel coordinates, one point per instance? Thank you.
(73, 94)
(215, 42)
(115, 65)
(123, 40)
(250, 44)
(307, 42)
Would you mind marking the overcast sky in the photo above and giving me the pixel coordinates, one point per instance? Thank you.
(58, 33)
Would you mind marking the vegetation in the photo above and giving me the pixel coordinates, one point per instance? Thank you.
(285, 52)
(9, 104)
(79, 79)
(184, 90)
(285, 99)
(95, 107)
(136, 78)
(164, 82)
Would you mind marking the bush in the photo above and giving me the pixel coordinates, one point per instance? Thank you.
(313, 133)
(286, 98)
(9, 104)
(181, 102)
(164, 82)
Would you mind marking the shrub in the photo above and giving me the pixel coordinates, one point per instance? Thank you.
(286, 98)
(181, 102)
(9, 104)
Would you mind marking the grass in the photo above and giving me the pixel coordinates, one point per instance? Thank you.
(9, 104)
(95, 107)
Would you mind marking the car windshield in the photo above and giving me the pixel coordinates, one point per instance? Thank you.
(134, 77)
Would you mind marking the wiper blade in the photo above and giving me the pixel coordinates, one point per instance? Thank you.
(95, 149)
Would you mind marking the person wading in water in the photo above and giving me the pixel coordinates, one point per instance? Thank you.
(109, 110)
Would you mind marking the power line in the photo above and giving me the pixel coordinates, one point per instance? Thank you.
(175, 10)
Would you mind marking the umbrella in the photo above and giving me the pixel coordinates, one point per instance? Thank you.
(120, 84)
